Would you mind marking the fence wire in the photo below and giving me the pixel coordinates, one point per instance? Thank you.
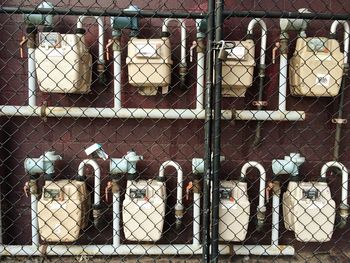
(108, 126)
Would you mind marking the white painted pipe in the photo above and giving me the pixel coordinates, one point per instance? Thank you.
(265, 115)
(179, 205)
(31, 78)
(35, 222)
(261, 206)
(346, 36)
(141, 249)
(183, 36)
(345, 178)
(135, 113)
(282, 94)
(116, 219)
(263, 250)
(200, 81)
(275, 219)
(117, 79)
(97, 173)
(196, 218)
(100, 23)
(101, 250)
(263, 36)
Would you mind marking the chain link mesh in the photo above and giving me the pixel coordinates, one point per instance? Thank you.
(103, 132)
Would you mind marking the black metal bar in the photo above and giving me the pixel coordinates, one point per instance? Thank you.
(99, 12)
(161, 14)
(284, 14)
(208, 132)
(217, 135)
(340, 116)
(257, 139)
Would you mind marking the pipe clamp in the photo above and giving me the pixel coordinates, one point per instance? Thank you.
(339, 121)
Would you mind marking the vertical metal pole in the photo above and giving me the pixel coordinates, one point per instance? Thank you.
(208, 132)
(340, 116)
(217, 134)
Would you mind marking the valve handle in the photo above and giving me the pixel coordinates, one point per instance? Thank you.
(23, 41)
(26, 189)
(107, 189)
(274, 50)
(194, 45)
(110, 43)
(188, 189)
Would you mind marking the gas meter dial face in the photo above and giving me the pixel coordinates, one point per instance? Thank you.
(225, 193)
(311, 194)
(52, 193)
(49, 39)
(138, 193)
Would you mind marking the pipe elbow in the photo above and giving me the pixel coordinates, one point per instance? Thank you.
(93, 164)
(255, 165)
(252, 24)
(336, 164)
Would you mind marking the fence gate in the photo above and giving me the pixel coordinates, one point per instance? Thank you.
(194, 131)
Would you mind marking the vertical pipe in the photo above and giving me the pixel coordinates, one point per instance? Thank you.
(200, 80)
(183, 42)
(282, 95)
(117, 74)
(101, 40)
(217, 135)
(35, 223)
(196, 218)
(275, 213)
(31, 78)
(116, 219)
(208, 132)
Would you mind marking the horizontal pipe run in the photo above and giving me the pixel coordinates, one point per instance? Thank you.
(263, 250)
(189, 15)
(100, 250)
(134, 113)
(144, 249)
(266, 115)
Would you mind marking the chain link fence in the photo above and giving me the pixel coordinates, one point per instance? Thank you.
(174, 131)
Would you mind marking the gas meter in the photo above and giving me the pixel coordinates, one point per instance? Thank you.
(63, 210)
(149, 64)
(63, 63)
(144, 210)
(234, 211)
(238, 68)
(309, 211)
(316, 68)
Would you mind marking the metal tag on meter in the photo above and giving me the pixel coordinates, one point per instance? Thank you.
(311, 194)
(52, 193)
(49, 39)
(225, 193)
(137, 193)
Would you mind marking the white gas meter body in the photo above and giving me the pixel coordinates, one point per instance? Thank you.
(309, 211)
(63, 210)
(316, 68)
(144, 210)
(149, 64)
(63, 63)
(234, 211)
(238, 68)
